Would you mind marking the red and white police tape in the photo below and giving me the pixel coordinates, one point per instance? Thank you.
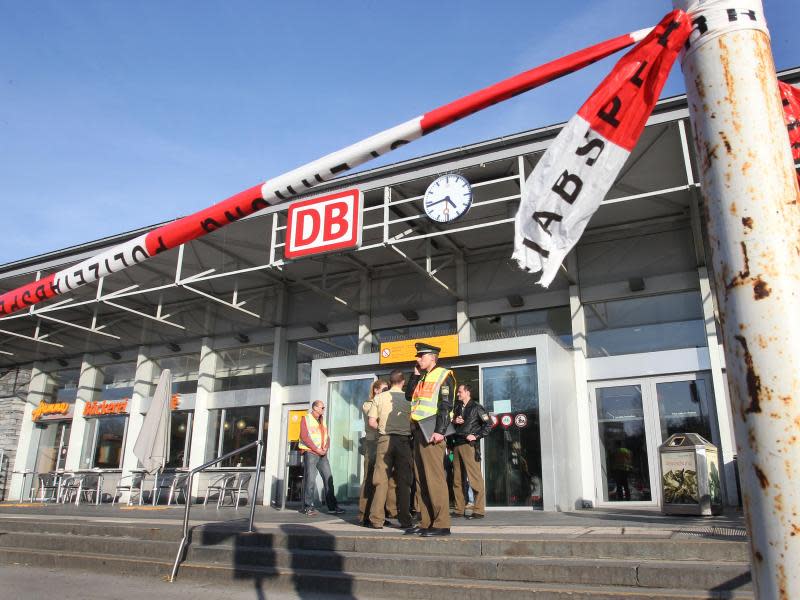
(298, 181)
(570, 181)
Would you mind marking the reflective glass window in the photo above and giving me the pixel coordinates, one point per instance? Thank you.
(645, 324)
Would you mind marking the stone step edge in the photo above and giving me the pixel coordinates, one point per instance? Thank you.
(226, 549)
(246, 573)
(172, 545)
(548, 537)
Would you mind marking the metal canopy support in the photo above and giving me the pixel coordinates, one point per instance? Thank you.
(158, 318)
(428, 272)
(750, 192)
(39, 339)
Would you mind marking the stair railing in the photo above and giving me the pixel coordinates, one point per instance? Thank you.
(184, 540)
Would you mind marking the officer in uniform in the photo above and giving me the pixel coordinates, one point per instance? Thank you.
(472, 423)
(430, 392)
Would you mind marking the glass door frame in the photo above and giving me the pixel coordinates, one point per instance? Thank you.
(283, 457)
(368, 373)
(511, 362)
(652, 425)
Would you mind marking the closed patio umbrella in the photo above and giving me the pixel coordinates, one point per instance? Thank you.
(152, 445)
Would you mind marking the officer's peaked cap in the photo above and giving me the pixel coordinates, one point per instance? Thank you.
(423, 348)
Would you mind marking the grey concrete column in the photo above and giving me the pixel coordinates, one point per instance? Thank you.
(463, 324)
(28, 442)
(365, 337)
(716, 357)
(200, 422)
(147, 372)
(582, 401)
(90, 383)
(273, 477)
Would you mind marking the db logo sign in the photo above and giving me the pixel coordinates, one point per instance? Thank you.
(324, 224)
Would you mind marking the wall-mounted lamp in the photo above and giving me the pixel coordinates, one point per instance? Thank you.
(174, 347)
(410, 315)
(515, 300)
(320, 327)
(115, 355)
(242, 338)
(62, 362)
(636, 284)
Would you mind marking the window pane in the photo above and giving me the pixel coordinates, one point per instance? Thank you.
(212, 435)
(683, 408)
(647, 324)
(87, 448)
(110, 436)
(623, 446)
(239, 429)
(178, 430)
(555, 321)
(118, 381)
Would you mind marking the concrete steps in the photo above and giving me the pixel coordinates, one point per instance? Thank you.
(388, 565)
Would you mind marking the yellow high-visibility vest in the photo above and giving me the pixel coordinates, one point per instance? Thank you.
(316, 430)
(426, 394)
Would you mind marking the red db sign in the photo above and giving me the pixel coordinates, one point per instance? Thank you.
(324, 224)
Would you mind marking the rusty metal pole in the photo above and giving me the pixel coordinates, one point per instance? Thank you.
(752, 226)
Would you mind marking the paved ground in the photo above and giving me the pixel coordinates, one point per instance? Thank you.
(31, 583)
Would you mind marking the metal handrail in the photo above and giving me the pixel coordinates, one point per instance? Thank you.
(260, 443)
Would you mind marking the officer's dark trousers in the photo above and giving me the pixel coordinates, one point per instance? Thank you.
(367, 488)
(431, 482)
(393, 456)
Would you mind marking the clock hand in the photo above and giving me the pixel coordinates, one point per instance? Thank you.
(445, 199)
(453, 204)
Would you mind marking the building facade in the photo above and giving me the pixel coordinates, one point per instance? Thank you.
(592, 374)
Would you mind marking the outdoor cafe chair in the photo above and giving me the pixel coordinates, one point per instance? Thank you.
(89, 488)
(47, 490)
(175, 483)
(70, 487)
(237, 485)
(130, 483)
(217, 485)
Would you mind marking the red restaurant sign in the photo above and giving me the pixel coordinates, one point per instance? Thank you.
(105, 407)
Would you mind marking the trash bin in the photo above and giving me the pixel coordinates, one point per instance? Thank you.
(690, 482)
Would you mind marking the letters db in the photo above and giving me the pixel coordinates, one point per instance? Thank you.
(324, 224)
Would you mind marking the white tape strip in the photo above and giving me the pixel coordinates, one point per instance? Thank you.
(712, 18)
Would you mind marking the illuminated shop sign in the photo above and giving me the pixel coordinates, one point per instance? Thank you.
(46, 409)
(105, 407)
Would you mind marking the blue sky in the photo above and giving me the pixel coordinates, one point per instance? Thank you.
(118, 115)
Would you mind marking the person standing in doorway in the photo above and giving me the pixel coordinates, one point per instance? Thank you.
(621, 469)
(390, 416)
(370, 443)
(314, 443)
(429, 391)
(472, 423)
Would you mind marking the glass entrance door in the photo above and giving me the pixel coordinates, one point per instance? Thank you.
(53, 442)
(345, 426)
(634, 417)
(513, 451)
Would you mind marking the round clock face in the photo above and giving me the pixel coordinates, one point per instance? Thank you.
(447, 198)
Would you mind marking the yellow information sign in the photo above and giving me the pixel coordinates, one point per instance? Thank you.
(293, 433)
(404, 350)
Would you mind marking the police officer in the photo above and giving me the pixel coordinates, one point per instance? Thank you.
(472, 423)
(430, 392)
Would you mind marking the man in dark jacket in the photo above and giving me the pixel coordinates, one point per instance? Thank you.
(472, 423)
